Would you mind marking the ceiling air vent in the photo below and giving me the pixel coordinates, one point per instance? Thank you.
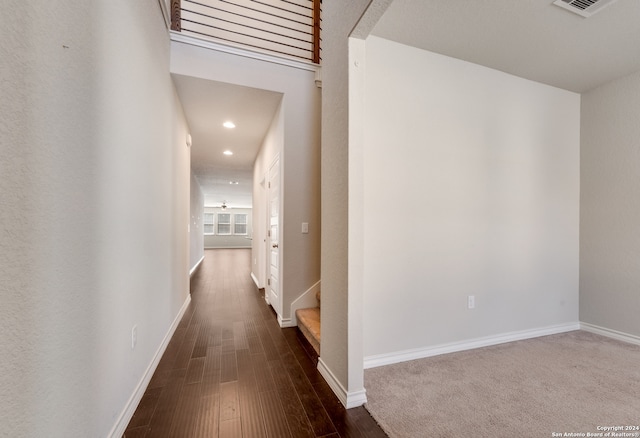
(585, 8)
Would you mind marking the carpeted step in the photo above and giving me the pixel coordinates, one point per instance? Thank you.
(309, 325)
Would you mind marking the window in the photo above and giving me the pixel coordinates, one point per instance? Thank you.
(224, 223)
(208, 223)
(239, 224)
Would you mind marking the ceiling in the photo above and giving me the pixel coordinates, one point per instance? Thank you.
(207, 105)
(533, 39)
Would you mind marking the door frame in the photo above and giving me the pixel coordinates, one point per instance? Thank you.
(278, 306)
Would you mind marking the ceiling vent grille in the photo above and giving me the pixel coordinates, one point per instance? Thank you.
(584, 8)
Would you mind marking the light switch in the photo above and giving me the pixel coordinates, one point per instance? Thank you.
(305, 227)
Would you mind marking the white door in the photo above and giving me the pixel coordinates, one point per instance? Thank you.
(273, 286)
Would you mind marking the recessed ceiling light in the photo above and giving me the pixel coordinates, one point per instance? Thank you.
(229, 124)
(234, 182)
(228, 153)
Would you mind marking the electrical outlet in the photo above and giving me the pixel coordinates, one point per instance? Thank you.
(471, 302)
(134, 336)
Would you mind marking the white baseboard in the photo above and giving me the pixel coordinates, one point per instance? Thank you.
(306, 300)
(195, 267)
(419, 353)
(286, 322)
(348, 399)
(132, 404)
(255, 280)
(609, 333)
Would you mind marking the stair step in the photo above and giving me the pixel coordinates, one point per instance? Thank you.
(309, 325)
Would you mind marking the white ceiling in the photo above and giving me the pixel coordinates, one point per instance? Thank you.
(533, 39)
(207, 105)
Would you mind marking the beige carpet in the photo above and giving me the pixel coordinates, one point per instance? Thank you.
(567, 383)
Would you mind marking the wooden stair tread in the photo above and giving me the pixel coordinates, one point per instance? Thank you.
(309, 325)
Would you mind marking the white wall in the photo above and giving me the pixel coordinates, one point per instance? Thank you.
(229, 241)
(196, 244)
(470, 187)
(339, 18)
(609, 206)
(300, 156)
(94, 207)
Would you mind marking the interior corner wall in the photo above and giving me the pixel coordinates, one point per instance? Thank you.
(196, 230)
(94, 192)
(471, 187)
(339, 18)
(610, 206)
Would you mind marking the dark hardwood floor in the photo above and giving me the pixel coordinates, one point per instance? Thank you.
(231, 371)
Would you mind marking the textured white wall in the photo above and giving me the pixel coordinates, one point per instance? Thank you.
(94, 195)
(485, 167)
(339, 18)
(610, 206)
(196, 244)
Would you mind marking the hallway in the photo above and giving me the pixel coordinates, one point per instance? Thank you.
(231, 371)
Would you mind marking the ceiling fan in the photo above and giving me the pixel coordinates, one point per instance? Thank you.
(224, 205)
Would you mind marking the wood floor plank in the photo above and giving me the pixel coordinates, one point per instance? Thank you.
(231, 371)
(309, 365)
(211, 374)
(274, 416)
(186, 349)
(250, 327)
(251, 414)
(138, 432)
(313, 407)
(229, 403)
(144, 412)
(163, 415)
(184, 423)
(255, 346)
(264, 379)
(207, 424)
(228, 367)
(246, 375)
(366, 424)
(342, 421)
(195, 370)
(231, 428)
(240, 336)
(202, 342)
(296, 416)
(165, 366)
(268, 345)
